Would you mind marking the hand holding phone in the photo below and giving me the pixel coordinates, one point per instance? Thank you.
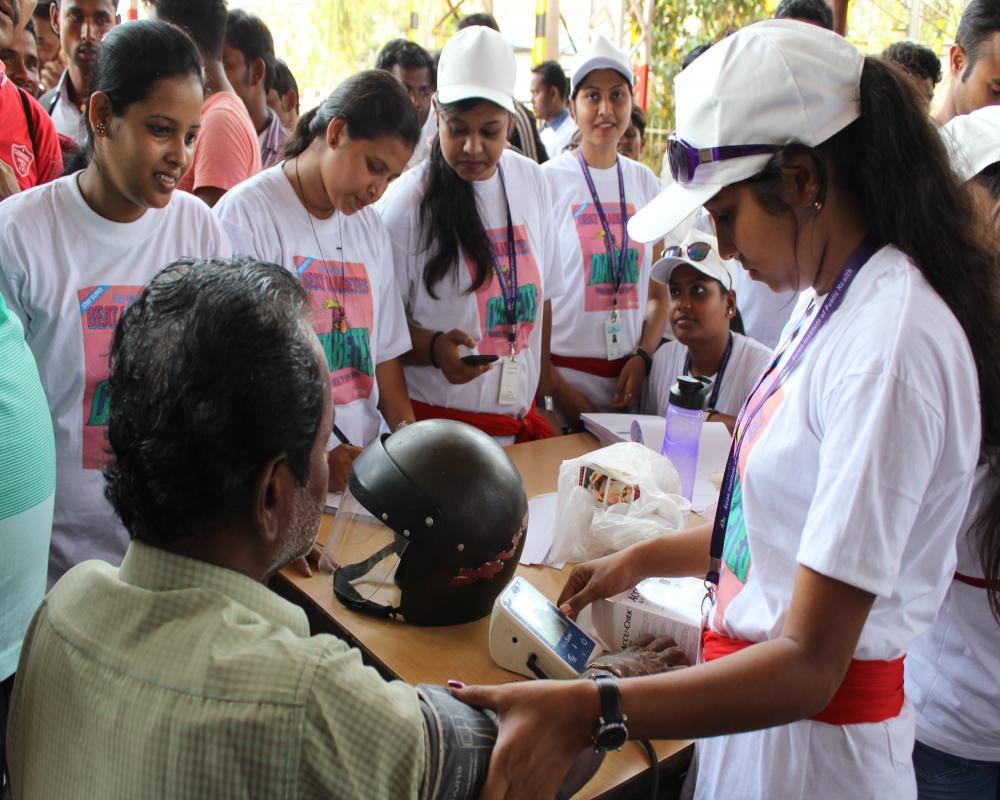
(476, 360)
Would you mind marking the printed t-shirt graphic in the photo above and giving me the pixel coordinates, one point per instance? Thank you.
(598, 271)
(100, 309)
(489, 296)
(736, 556)
(347, 345)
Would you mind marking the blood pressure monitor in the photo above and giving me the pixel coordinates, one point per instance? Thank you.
(530, 636)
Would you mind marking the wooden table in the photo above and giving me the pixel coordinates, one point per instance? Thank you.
(433, 655)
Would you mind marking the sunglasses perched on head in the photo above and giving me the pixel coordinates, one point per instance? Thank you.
(684, 158)
(696, 251)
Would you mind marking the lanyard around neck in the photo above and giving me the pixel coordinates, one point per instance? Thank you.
(617, 271)
(508, 282)
(717, 383)
(855, 262)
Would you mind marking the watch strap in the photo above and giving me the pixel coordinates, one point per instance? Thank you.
(611, 699)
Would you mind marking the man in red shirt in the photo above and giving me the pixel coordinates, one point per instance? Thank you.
(29, 149)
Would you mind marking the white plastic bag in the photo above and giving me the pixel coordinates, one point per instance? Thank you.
(613, 497)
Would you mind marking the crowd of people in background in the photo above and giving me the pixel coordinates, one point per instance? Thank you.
(447, 251)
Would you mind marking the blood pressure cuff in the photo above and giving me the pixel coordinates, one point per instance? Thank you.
(460, 740)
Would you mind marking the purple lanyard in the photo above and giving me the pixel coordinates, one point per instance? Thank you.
(617, 274)
(717, 383)
(508, 288)
(855, 262)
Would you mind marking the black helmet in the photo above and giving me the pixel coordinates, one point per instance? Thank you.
(431, 527)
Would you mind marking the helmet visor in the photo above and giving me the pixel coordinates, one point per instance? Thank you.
(363, 553)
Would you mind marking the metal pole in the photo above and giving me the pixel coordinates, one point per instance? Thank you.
(539, 49)
(411, 32)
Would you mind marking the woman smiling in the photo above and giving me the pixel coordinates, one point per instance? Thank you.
(74, 252)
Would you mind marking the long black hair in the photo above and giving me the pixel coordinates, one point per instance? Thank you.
(131, 60)
(372, 103)
(449, 217)
(896, 166)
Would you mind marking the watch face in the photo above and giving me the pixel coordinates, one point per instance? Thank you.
(610, 736)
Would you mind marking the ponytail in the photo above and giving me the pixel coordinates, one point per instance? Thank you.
(372, 103)
(302, 136)
(895, 164)
(451, 221)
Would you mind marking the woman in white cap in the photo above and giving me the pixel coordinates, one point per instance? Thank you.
(602, 336)
(951, 671)
(475, 256)
(852, 462)
(311, 214)
(710, 341)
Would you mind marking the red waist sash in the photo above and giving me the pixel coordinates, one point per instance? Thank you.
(593, 366)
(532, 427)
(979, 583)
(872, 691)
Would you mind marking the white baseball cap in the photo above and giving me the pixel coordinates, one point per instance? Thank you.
(601, 54)
(477, 62)
(973, 141)
(699, 250)
(767, 85)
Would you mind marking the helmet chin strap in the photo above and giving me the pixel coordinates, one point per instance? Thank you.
(350, 597)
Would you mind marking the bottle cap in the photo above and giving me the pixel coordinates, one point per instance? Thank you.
(690, 393)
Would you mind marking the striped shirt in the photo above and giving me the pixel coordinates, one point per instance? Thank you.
(172, 678)
(27, 488)
(272, 141)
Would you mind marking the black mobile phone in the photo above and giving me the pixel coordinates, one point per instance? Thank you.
(477, 360)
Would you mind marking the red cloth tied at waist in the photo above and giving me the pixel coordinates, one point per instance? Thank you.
(872, 691)
(592, 366)
(970, 580)
(532, 427)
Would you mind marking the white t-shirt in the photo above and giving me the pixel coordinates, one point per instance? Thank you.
(556, 139)
(747, 363)
(264, 218)
(580, 316)
(69, 273)
(481, 314)
(952, 670)
(765, 312)
(425, 142)
(859, 467)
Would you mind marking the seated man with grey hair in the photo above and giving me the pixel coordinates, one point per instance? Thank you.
(180, 674)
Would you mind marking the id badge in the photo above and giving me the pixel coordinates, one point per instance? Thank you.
(613, 339)
(510, 382)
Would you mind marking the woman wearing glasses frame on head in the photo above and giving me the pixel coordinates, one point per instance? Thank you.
(853, 460)
(709, 339)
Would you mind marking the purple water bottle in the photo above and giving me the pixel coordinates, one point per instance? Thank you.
(685, 415)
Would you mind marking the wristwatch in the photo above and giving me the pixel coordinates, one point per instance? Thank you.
(611, 731)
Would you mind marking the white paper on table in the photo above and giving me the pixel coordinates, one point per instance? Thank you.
(333, 501)
(611, 428)
(541, 525)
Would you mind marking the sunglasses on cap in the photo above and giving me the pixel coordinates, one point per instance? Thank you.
(684, 158)
(696, 251)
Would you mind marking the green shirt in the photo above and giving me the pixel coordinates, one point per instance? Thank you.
(172, 678)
